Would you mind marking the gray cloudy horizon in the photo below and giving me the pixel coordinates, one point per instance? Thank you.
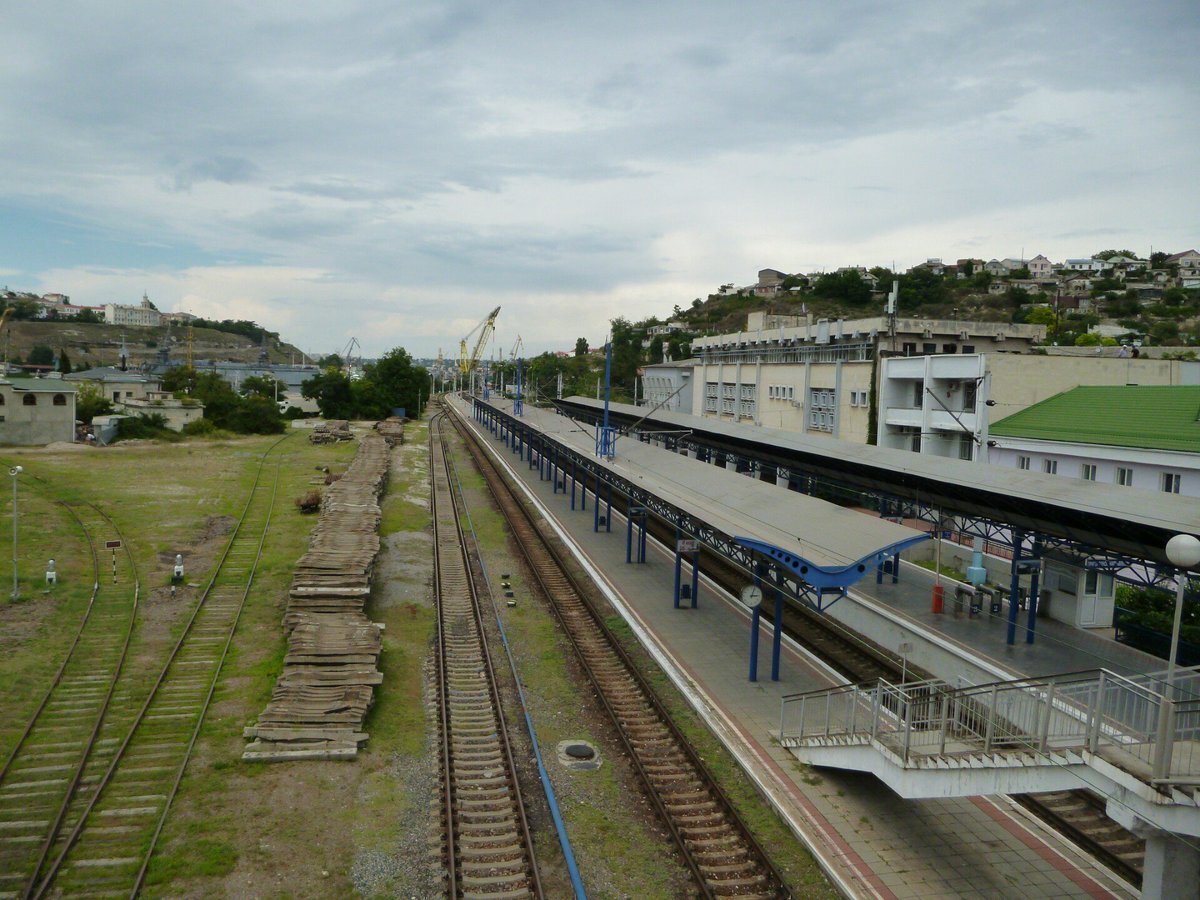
(392, 172)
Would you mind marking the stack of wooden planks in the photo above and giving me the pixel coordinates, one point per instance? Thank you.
(321, 699)
(332, 431)
(392, 429)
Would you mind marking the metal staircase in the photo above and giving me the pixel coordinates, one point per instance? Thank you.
(930, 738)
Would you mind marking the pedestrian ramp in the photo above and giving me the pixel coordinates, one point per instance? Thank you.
(1134, 740)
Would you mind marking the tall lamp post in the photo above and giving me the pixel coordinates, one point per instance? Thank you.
(1183, 551)
(14, 472)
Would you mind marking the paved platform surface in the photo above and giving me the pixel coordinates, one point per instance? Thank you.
(872, 843)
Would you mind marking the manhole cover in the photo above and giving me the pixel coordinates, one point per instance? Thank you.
(578, 755)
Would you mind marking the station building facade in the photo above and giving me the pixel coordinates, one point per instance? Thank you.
(35, 412)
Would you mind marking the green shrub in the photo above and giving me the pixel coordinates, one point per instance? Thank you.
(1155, 608)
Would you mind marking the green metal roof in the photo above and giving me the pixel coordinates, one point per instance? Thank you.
(1155, 417)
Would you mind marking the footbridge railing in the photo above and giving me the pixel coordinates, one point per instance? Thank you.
(1136, 723)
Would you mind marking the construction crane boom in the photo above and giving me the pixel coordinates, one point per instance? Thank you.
(467, 362)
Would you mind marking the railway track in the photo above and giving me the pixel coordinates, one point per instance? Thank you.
(1078, 815)
(488, 849)
(73, 732)
(724, 858)
(110, 816)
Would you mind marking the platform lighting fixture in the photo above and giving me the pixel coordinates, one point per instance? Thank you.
(1183, 551)
(14, 472)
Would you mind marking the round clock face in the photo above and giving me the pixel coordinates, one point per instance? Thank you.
(752, 595)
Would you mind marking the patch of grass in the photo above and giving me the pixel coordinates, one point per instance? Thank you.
(947, 571)
(397, 719)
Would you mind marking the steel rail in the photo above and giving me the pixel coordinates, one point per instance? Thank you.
(106, 779)
(442, 465)
(520, 518)
(123, 636)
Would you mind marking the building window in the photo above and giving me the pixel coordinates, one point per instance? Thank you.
(1087, 472)
(968, 348)
(928, 349)
(1023, 463)
(949, 348)
(970, 393)
(1124, 476)
(1170, 482)
(909, 349)
(1, 399)
(1050, 466)
(966, 446)
(918, 394)
(822, 409)
(60, 400)
(29, 400)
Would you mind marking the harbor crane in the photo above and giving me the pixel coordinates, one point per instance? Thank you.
(468, 362)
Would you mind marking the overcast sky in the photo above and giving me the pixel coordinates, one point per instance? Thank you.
(392, 171)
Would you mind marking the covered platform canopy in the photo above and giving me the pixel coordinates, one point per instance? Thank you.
(1114, 519)
(825, 546)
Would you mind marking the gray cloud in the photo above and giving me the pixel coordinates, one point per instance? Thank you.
(565, 147)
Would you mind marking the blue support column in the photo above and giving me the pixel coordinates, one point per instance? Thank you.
(596, 512)
(607, 506)
(695, 578)
(678, 569)
(776, 634)
(755, 618)
(1014, 584)
(573, 480)
(1036, 556)
(635, 520)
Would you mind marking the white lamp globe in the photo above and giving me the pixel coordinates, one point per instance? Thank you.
(1183, 551)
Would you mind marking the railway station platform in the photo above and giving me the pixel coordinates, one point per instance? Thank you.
(869, 841)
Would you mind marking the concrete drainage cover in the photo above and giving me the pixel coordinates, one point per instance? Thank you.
(580, 756)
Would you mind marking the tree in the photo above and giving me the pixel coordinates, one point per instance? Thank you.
(41, 355)
(581, 345)
(332, 361)
(64, 362)
(263, 386)
(1158, 259)
(1109, 254)
(396, 382)
(846, 287)
(331, 390)
(91, 402)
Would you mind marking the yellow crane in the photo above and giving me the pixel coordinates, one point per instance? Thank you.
(467, 362)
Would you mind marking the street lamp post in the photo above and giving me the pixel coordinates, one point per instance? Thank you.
(14, 472)
(1183, 551)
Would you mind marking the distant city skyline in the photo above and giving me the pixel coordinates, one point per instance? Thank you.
(392, 173)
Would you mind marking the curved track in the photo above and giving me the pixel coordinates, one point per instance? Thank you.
(489, 852)
(723, 856)
(101, 842)
(71, 735)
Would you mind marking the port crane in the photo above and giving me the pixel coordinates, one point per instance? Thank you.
(468, 362)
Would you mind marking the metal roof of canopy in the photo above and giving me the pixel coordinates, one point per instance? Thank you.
(820, 543)
(1118, 519)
